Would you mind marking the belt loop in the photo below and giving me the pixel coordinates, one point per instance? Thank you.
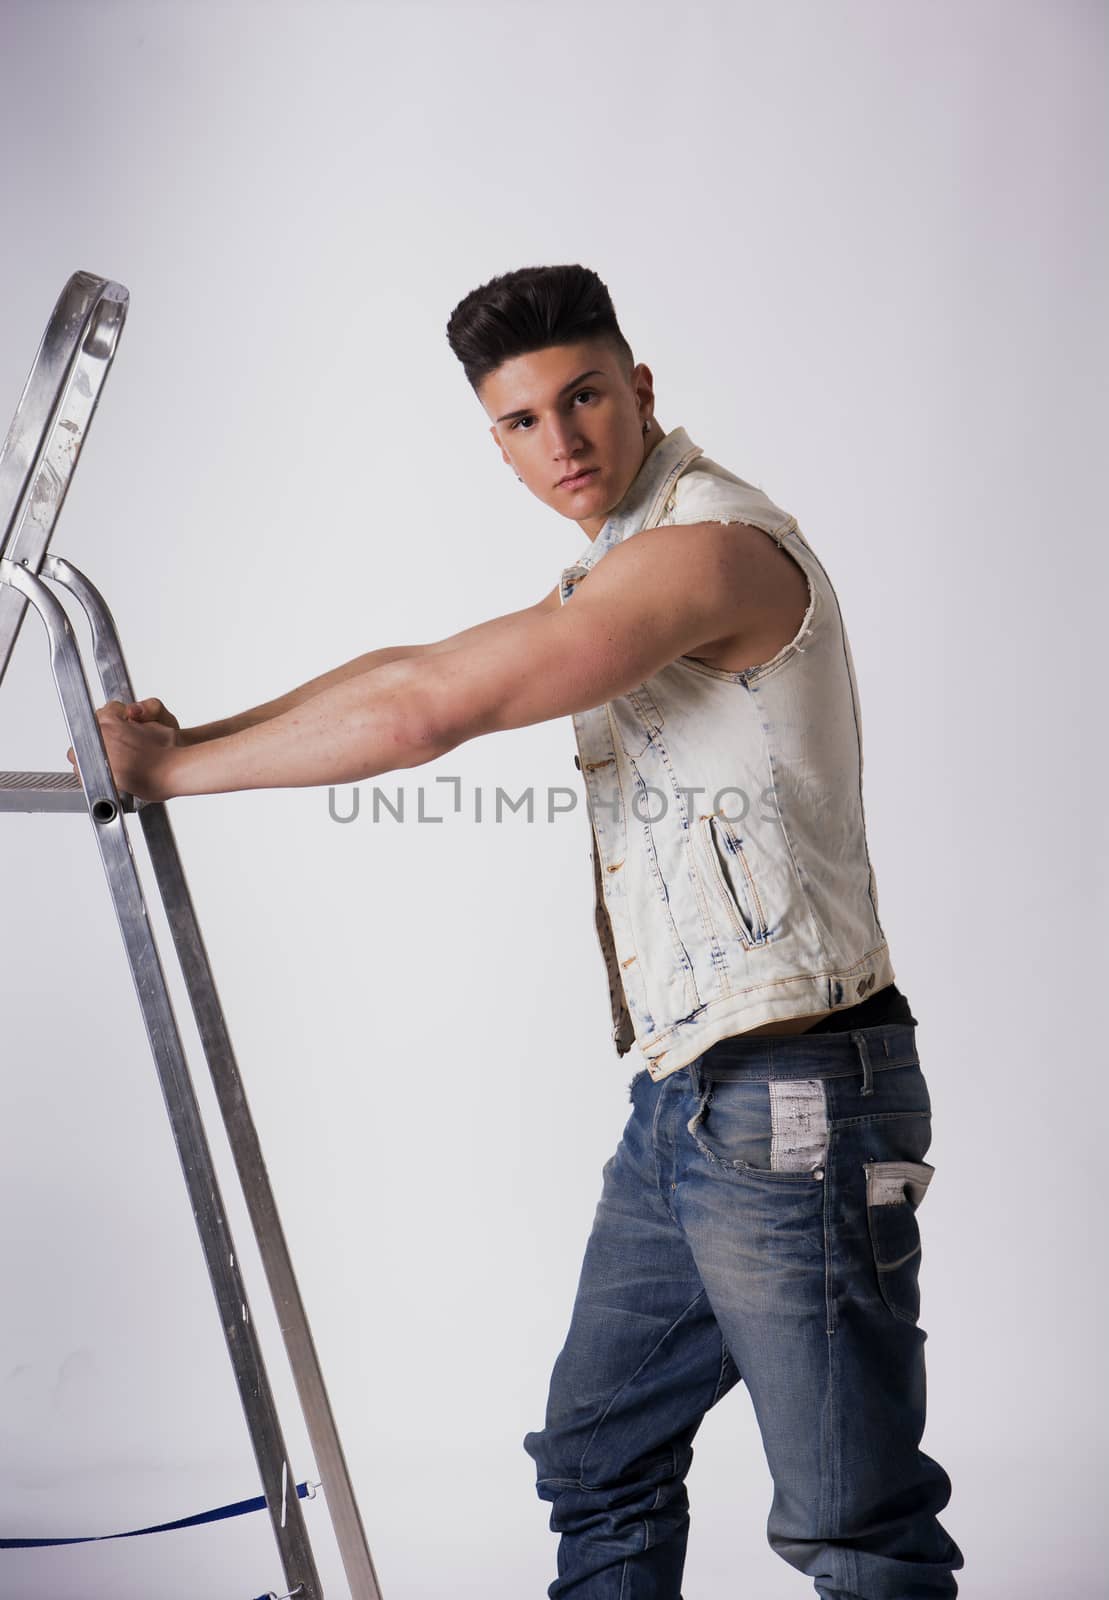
(864, 1055)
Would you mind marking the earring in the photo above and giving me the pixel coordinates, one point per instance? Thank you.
(518, 478)
(647, 425)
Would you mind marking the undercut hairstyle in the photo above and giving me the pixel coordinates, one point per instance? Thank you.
(529, 309)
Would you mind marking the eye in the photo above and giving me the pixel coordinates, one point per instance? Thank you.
(520, 420)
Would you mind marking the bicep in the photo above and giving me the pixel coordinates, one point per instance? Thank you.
(649, 601)
(485, 632)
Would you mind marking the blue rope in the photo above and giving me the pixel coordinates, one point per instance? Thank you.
(236, 1509)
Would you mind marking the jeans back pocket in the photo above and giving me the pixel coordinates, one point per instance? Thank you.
(894, 1191)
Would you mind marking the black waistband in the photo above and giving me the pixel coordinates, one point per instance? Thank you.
(886, 1005)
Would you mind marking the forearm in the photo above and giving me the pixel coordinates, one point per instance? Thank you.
(207, 731)
(357, 727)
(481, 631)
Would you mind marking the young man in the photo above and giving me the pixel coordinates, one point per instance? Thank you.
(758, 1218)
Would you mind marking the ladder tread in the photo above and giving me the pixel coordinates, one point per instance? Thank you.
(39, 780)
(47, 791)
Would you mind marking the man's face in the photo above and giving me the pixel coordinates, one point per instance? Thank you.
(573, 409)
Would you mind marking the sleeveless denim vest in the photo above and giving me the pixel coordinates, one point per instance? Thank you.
(732, 879)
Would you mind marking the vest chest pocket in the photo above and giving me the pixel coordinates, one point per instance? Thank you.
(731, 871)
(637, 719)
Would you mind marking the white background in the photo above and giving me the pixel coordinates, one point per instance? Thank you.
(863, 250)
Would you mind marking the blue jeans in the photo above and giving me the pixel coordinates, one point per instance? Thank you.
(758, 1220)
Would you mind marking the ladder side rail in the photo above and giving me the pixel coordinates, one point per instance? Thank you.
(331, 1465)
(113, 842)
(40, 453)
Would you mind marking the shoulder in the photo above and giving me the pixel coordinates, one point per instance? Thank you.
(676, 560)
(708, 492)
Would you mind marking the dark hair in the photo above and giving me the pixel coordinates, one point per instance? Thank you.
(527, 310)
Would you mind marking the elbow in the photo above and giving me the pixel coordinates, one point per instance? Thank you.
(420, 737)
(423, 720)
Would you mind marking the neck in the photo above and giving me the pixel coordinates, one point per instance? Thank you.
(654, 435)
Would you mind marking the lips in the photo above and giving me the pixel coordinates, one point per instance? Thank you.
(573, 479)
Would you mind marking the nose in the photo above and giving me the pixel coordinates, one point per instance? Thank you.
(565, 439)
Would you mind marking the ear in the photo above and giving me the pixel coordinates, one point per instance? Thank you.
(644, 385)
(505, 457)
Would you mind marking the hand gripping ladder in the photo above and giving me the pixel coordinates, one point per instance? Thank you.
(36, 464)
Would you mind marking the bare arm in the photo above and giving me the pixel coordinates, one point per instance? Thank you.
(359, 665)
(295, 697)
(653, 599)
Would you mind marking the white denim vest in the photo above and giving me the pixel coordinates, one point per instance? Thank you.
(733, 884)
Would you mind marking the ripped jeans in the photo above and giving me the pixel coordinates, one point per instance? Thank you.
(758, 1220)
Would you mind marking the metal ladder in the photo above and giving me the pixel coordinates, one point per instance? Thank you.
(37, 463)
